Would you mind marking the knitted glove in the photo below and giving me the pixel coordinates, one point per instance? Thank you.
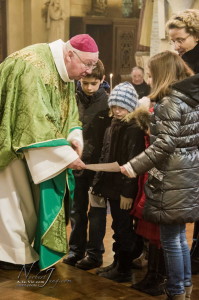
(125, 203)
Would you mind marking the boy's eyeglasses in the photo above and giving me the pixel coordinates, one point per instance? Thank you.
(179, 41)
(87, 65)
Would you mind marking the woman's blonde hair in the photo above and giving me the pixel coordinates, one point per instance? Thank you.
(166, 68)
(187, 19)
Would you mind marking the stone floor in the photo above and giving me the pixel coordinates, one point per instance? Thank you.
(70, 283)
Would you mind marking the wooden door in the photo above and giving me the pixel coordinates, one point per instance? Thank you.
(124, 41)
(103, 36)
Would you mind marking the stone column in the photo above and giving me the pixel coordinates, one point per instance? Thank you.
(15, 29)
(66, 8)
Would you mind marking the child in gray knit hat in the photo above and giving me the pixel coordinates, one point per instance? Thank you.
(122, 139)
(124, 95)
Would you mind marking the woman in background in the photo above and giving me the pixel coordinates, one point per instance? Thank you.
(183, 30)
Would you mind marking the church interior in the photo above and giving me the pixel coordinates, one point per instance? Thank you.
(127, 32)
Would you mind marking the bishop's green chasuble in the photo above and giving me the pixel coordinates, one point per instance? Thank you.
(38, 109)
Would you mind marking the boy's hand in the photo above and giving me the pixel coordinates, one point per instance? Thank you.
(125, 203)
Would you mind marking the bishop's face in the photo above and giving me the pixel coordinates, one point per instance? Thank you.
(79, 64)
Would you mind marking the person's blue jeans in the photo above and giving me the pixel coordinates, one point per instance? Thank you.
(177, 257)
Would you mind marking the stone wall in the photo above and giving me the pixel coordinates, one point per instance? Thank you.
(79, 8)
(15, 30)
(25, 24)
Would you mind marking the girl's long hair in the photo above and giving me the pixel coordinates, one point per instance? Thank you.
(166, 68)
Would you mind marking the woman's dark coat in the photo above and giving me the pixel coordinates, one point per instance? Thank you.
(191, 57)
(172, 189)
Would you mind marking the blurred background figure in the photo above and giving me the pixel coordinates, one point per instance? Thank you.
(137, 78)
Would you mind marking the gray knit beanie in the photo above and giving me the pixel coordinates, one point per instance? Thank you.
(124, 95)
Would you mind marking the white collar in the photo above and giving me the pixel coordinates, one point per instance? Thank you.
(56, 48)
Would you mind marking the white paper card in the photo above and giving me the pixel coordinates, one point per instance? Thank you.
(108, 167)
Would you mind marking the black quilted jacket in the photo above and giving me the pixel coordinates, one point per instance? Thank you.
(122, 140)
(94, 115)
(172, 189)
(191, 57)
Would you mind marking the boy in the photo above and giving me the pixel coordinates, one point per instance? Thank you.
(93, 110)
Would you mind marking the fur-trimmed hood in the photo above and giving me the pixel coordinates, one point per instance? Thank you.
(141, 116)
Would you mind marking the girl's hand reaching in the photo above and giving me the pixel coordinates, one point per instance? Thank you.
(128, 170)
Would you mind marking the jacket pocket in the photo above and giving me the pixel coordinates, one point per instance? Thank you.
(159, 175)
